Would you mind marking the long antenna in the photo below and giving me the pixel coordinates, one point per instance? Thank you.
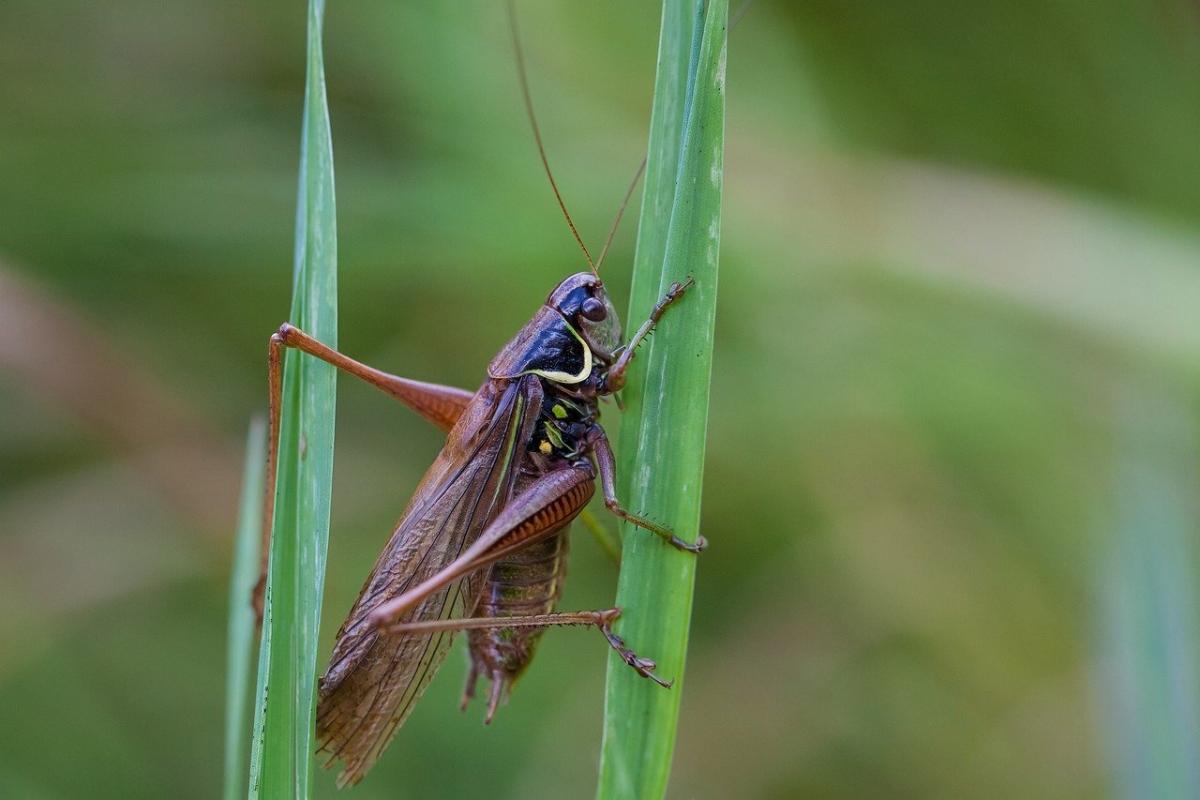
(739, 13)
(537, 134)
(620, 211)
(734, 20)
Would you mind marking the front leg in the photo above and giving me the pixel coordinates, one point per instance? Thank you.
(615, 379)
(606, 465)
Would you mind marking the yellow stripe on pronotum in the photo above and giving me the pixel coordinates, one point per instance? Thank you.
(566, 377)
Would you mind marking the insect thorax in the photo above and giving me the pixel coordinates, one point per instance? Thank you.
(563, 423)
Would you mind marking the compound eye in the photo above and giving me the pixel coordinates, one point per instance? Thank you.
(593, 309)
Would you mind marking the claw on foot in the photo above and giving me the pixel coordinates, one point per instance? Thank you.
(678, 288)
(642, 666)
(696, 547)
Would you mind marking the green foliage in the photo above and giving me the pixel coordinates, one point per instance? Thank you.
(1145, 599)
(239, 653)
(664, 431)
(281, 762)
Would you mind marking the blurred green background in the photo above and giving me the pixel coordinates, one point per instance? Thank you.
(953, 450)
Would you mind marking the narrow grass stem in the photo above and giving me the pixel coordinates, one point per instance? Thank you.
(282, 747)
(239, 655)
(663, 433)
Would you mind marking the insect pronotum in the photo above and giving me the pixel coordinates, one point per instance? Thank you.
(482, 545)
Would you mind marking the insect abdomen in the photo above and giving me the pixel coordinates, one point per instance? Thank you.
(527, 582)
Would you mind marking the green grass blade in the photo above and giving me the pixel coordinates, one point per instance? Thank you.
(240, 638)
(1146, 604)
(281, 758)
(663, 432)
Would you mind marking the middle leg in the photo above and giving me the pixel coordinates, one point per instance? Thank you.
(606, 466)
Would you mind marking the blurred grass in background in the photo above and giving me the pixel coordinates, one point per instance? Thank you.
(954, 392)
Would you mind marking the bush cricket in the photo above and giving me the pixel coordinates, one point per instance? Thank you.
(482, 545)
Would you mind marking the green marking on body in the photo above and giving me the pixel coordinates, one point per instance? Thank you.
(555, 437)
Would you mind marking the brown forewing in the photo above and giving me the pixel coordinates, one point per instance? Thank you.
(374, 678)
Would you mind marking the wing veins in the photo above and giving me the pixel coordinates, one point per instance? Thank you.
(500, 435)
(433, 643)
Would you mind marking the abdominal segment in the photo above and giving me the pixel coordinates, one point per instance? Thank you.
(526, 582)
